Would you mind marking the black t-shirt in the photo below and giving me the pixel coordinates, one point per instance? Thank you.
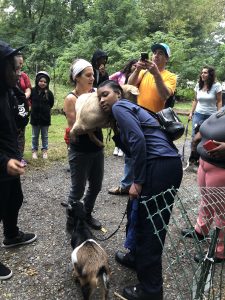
(83, 143)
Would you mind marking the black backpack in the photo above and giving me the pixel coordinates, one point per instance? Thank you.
(170, 101)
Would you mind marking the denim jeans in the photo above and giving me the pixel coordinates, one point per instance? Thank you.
(128, 177)
(85, 167)
(197, 118)
(35, 137)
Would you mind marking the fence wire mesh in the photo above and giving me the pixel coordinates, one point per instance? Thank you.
(184, 278)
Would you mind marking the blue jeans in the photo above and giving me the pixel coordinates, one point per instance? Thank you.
(35, 137)
(128, 177)
(85, 167)
(198, 118)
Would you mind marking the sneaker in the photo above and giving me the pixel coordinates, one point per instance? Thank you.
(120, 153)
(5, 272)
(34, 155)
(118, 191)
(115, 152)
(20, 239)
(45, 155)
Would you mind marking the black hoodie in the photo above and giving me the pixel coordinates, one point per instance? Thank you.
(99, 78)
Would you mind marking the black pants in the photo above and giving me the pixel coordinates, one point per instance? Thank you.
(11, 198)
(162, 174)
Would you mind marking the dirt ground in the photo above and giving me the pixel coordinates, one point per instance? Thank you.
(42, 270)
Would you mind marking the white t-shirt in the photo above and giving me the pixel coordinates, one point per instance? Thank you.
(207, 100)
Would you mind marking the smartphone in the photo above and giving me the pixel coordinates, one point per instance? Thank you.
(209, 145)
(144, 56)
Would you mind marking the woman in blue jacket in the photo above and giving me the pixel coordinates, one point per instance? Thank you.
(157, 168)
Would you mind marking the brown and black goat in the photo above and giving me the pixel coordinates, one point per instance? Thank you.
(89, 259)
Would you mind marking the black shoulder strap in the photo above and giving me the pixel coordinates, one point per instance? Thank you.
(71, 93)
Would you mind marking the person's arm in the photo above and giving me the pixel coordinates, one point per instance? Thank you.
(27, 93)
(194, 104)
(115, 76)
(69, 109)
(131, 131)
(219, 151)
(134, 78)
(219, 100)
(28, 86)
(51, 99)
(162, 88)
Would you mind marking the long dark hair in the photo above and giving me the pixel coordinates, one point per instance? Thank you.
(7, 73)
(127, 68)
(113, 85)
(211, 78)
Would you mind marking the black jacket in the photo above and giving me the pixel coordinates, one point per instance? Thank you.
(94, 61)
(41, 107)
(8, 133)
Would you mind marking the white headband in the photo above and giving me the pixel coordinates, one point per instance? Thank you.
(79, 66)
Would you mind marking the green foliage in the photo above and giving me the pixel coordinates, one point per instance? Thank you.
(56, 32)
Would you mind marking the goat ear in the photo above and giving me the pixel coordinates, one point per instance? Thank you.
(65, 204)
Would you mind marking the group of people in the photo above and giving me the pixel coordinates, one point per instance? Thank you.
(152, 162)
(34, 103)
(150, 153)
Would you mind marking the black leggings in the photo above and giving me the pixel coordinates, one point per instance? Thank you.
(11, 199)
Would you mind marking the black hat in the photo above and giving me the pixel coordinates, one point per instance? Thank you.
(6, 50)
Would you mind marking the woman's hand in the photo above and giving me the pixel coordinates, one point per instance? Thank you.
(15, 167)
(135, 190)
(190, 116)
(219, 151)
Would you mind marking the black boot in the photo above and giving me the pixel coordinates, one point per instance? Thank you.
(92, 222)
(137, 293)
(126, 259)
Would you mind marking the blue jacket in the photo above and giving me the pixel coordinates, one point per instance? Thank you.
(143, 143)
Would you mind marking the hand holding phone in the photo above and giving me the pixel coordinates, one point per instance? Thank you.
(144, 56)
(209, 145)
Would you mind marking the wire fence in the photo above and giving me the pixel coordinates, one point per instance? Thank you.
(184, 278)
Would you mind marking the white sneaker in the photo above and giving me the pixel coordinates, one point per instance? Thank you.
(115, 152)
(34, 155)
(120, 153)
(45, 155)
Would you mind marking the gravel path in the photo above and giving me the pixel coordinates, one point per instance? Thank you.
(42, 270)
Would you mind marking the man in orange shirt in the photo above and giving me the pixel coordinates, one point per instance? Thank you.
(156, 85)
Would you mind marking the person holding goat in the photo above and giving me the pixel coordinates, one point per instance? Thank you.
(86, 159)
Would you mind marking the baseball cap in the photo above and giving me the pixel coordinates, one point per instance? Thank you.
(6, 50)
(162, 46)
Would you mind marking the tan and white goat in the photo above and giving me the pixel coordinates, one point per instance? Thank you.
(90, 116)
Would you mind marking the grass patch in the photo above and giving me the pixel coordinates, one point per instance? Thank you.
(183, 105)
(57, 146)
